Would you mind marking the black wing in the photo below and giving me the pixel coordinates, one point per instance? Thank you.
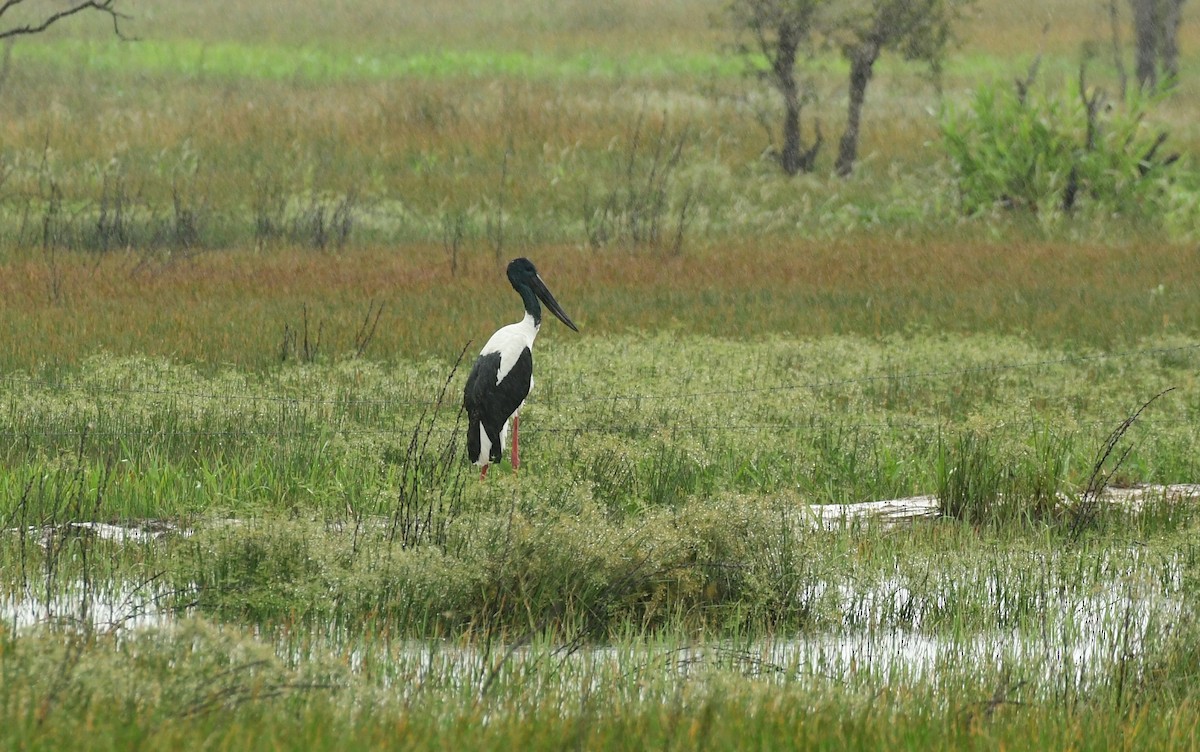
(490, 404)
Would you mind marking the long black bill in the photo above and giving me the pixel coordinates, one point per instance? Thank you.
(543, 293)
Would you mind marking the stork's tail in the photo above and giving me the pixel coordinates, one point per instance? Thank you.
(483, 447)
(474, 447)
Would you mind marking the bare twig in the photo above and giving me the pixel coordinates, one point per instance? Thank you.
(1085, 510)
(106, 7)
(429, 496)
(1000, 697)
(366, 331)
(229, 690)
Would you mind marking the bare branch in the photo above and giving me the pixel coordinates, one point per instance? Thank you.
(106, 7)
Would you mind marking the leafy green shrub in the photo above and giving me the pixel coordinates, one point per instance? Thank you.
(1044, 151)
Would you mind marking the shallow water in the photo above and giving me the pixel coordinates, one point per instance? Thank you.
(1076, 643)
(89, 607)
(1057, 625)
(1076, 646)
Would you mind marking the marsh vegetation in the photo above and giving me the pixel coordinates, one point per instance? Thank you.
(239, 271)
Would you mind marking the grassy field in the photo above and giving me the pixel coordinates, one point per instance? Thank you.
(246, 260)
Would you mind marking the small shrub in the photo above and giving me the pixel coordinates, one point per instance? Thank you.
(259, 574)
(981, 482)
(1040, 151)
(1041, 471)
(636, 209)
(326, 223)
(970, 481)
(614, 482)
(671, 475)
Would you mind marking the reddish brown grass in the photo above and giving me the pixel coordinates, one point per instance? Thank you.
(232, 307)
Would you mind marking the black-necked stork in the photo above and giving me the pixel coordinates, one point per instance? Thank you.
(503, 375)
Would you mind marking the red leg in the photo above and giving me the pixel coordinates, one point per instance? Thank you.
(483, 472)
(516, 459)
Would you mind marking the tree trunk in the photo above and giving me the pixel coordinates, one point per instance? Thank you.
(793, 158)
(785, 79)
(1172, 13)
(789, 158)
(862, 65)
(1114, 21)
(1145, 35)
(1156, 36)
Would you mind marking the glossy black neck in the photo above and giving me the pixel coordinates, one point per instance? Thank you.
(532, 305)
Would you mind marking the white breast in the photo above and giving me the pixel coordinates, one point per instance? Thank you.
(510, 341)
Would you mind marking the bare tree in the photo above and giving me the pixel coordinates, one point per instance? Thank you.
(781, 30)
(1156, 36)
(29, 21)
(863, 30)
(918, 29)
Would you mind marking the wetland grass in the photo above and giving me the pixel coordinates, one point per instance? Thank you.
(653, 567)
(928, 639)
(235, 273)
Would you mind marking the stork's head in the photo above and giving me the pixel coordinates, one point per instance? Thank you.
(524, 276)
